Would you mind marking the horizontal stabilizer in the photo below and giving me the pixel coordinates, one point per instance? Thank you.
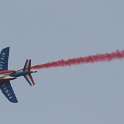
(29, 79)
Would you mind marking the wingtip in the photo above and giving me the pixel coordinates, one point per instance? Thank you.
(14, 101)
(5, 49)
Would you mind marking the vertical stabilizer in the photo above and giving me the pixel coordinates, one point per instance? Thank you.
(27, 65)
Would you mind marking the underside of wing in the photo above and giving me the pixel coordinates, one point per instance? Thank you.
(8, 91)
(4, 56)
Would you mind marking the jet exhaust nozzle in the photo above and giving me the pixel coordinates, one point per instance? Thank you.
(34, 71)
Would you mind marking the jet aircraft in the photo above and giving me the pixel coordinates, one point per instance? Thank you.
(7, 75)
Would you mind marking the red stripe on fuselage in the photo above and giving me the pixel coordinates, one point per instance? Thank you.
(2, 80)
(6, 71)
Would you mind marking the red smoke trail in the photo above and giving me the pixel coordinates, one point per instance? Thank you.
(81, 60)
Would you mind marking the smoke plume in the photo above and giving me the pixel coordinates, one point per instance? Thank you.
(82, 60)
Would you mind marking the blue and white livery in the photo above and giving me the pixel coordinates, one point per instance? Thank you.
(7, 75)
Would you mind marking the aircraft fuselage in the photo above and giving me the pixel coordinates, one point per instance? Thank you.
(12, 74)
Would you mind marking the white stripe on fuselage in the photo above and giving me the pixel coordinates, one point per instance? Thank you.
(2, 75)
(5, 76)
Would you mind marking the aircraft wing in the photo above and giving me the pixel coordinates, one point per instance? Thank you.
(4, 56)
(8, 91)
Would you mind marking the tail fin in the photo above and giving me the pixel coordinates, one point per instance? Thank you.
(28, 77)
(27, 65)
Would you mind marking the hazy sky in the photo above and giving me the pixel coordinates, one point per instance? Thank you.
(49, 30)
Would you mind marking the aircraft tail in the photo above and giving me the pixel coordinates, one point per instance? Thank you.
(28, 77)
